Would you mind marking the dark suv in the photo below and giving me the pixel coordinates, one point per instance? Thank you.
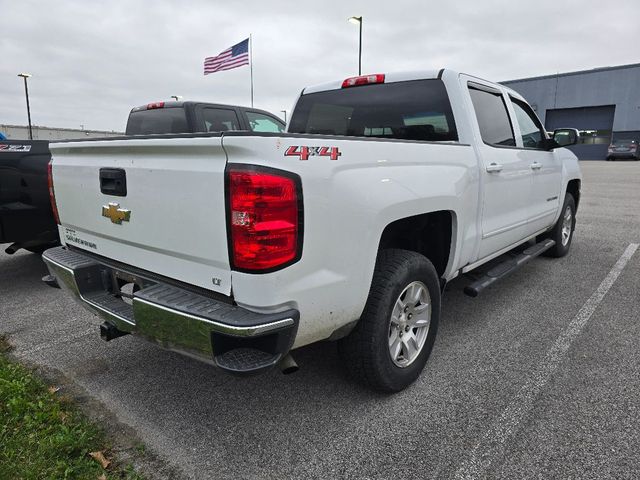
(623, 148)
(194, 117)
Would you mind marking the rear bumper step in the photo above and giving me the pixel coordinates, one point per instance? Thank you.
(511, 264)
(235, 339)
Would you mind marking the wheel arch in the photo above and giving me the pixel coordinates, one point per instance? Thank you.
(573, 187)
(431, 234)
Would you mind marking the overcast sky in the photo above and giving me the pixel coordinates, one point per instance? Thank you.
(92, 61)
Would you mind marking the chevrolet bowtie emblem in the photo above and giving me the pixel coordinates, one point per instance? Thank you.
(116, 214)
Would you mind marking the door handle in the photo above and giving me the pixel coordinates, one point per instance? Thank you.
(494, 168)
(536, 166)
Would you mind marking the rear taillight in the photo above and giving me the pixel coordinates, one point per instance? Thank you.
(52, 195)
(363, 80)
(151, 106)
(265, 218)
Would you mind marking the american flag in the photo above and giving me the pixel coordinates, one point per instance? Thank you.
(232, 57)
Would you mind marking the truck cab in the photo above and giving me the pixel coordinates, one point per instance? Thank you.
(199, 117)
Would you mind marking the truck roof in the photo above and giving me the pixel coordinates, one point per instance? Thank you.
(389, 77)
(406, 76)
(183, 103)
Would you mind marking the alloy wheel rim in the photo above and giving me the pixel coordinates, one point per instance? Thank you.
(566, 226)
(409, 324)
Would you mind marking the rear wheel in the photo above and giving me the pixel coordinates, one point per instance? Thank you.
(562, 231)
(393, 339)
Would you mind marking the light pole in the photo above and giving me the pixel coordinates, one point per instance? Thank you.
(358, 21)
(176, 97)
(285, 115)
(26, 92)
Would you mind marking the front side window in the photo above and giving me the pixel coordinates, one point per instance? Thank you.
(493, 118)
(410, 110)
(219, 120)
(530, 128)
(258, 122)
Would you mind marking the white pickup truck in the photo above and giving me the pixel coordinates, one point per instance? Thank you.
(236, 248)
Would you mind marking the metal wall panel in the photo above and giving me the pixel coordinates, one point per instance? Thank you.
(612, 86)
(591, 119)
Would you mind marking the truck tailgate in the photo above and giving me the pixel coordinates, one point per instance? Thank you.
(171, 219)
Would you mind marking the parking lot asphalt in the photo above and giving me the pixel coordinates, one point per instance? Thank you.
(539, 377)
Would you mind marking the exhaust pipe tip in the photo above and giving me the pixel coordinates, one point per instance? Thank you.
(288, 365)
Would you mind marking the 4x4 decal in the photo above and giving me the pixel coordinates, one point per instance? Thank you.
(14, 148)
(305, 152)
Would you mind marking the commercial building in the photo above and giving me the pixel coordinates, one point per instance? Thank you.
(604, 103)
(21, 132)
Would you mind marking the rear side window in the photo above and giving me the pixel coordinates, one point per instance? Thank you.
(220, 120)
(493, 118)
(157, 120)
(259, 122)
(412, 110)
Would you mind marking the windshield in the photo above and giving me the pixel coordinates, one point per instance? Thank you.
(411, 110)
(157, 121)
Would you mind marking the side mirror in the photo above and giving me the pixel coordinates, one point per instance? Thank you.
(563, 137)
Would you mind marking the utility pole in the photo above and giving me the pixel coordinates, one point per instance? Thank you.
(26, 92)
(358, 21)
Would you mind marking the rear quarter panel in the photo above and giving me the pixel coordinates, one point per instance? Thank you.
(347, 204)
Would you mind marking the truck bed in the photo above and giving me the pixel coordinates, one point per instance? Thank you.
(25, 210)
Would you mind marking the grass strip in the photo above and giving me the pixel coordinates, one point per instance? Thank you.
(43, 435)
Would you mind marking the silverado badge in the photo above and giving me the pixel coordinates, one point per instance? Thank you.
(115, 213)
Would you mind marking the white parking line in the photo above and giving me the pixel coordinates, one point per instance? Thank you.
(491, 445)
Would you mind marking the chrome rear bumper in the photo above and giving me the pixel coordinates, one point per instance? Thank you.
(176, 318)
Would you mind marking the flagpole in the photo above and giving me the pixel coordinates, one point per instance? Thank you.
(251, 65)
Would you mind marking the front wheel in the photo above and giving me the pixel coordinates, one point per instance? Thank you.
(394, 337)
(562, 231)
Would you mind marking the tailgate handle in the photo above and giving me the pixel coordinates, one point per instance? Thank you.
(113, 181)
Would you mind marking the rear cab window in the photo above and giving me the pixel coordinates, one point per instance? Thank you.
(624, 142)
(157, 121)
(409, 110)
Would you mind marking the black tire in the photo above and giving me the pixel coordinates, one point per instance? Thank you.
(365, 351)
(560, 249)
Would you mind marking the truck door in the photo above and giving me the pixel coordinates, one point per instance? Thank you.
(544, 164)
(505, 176)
